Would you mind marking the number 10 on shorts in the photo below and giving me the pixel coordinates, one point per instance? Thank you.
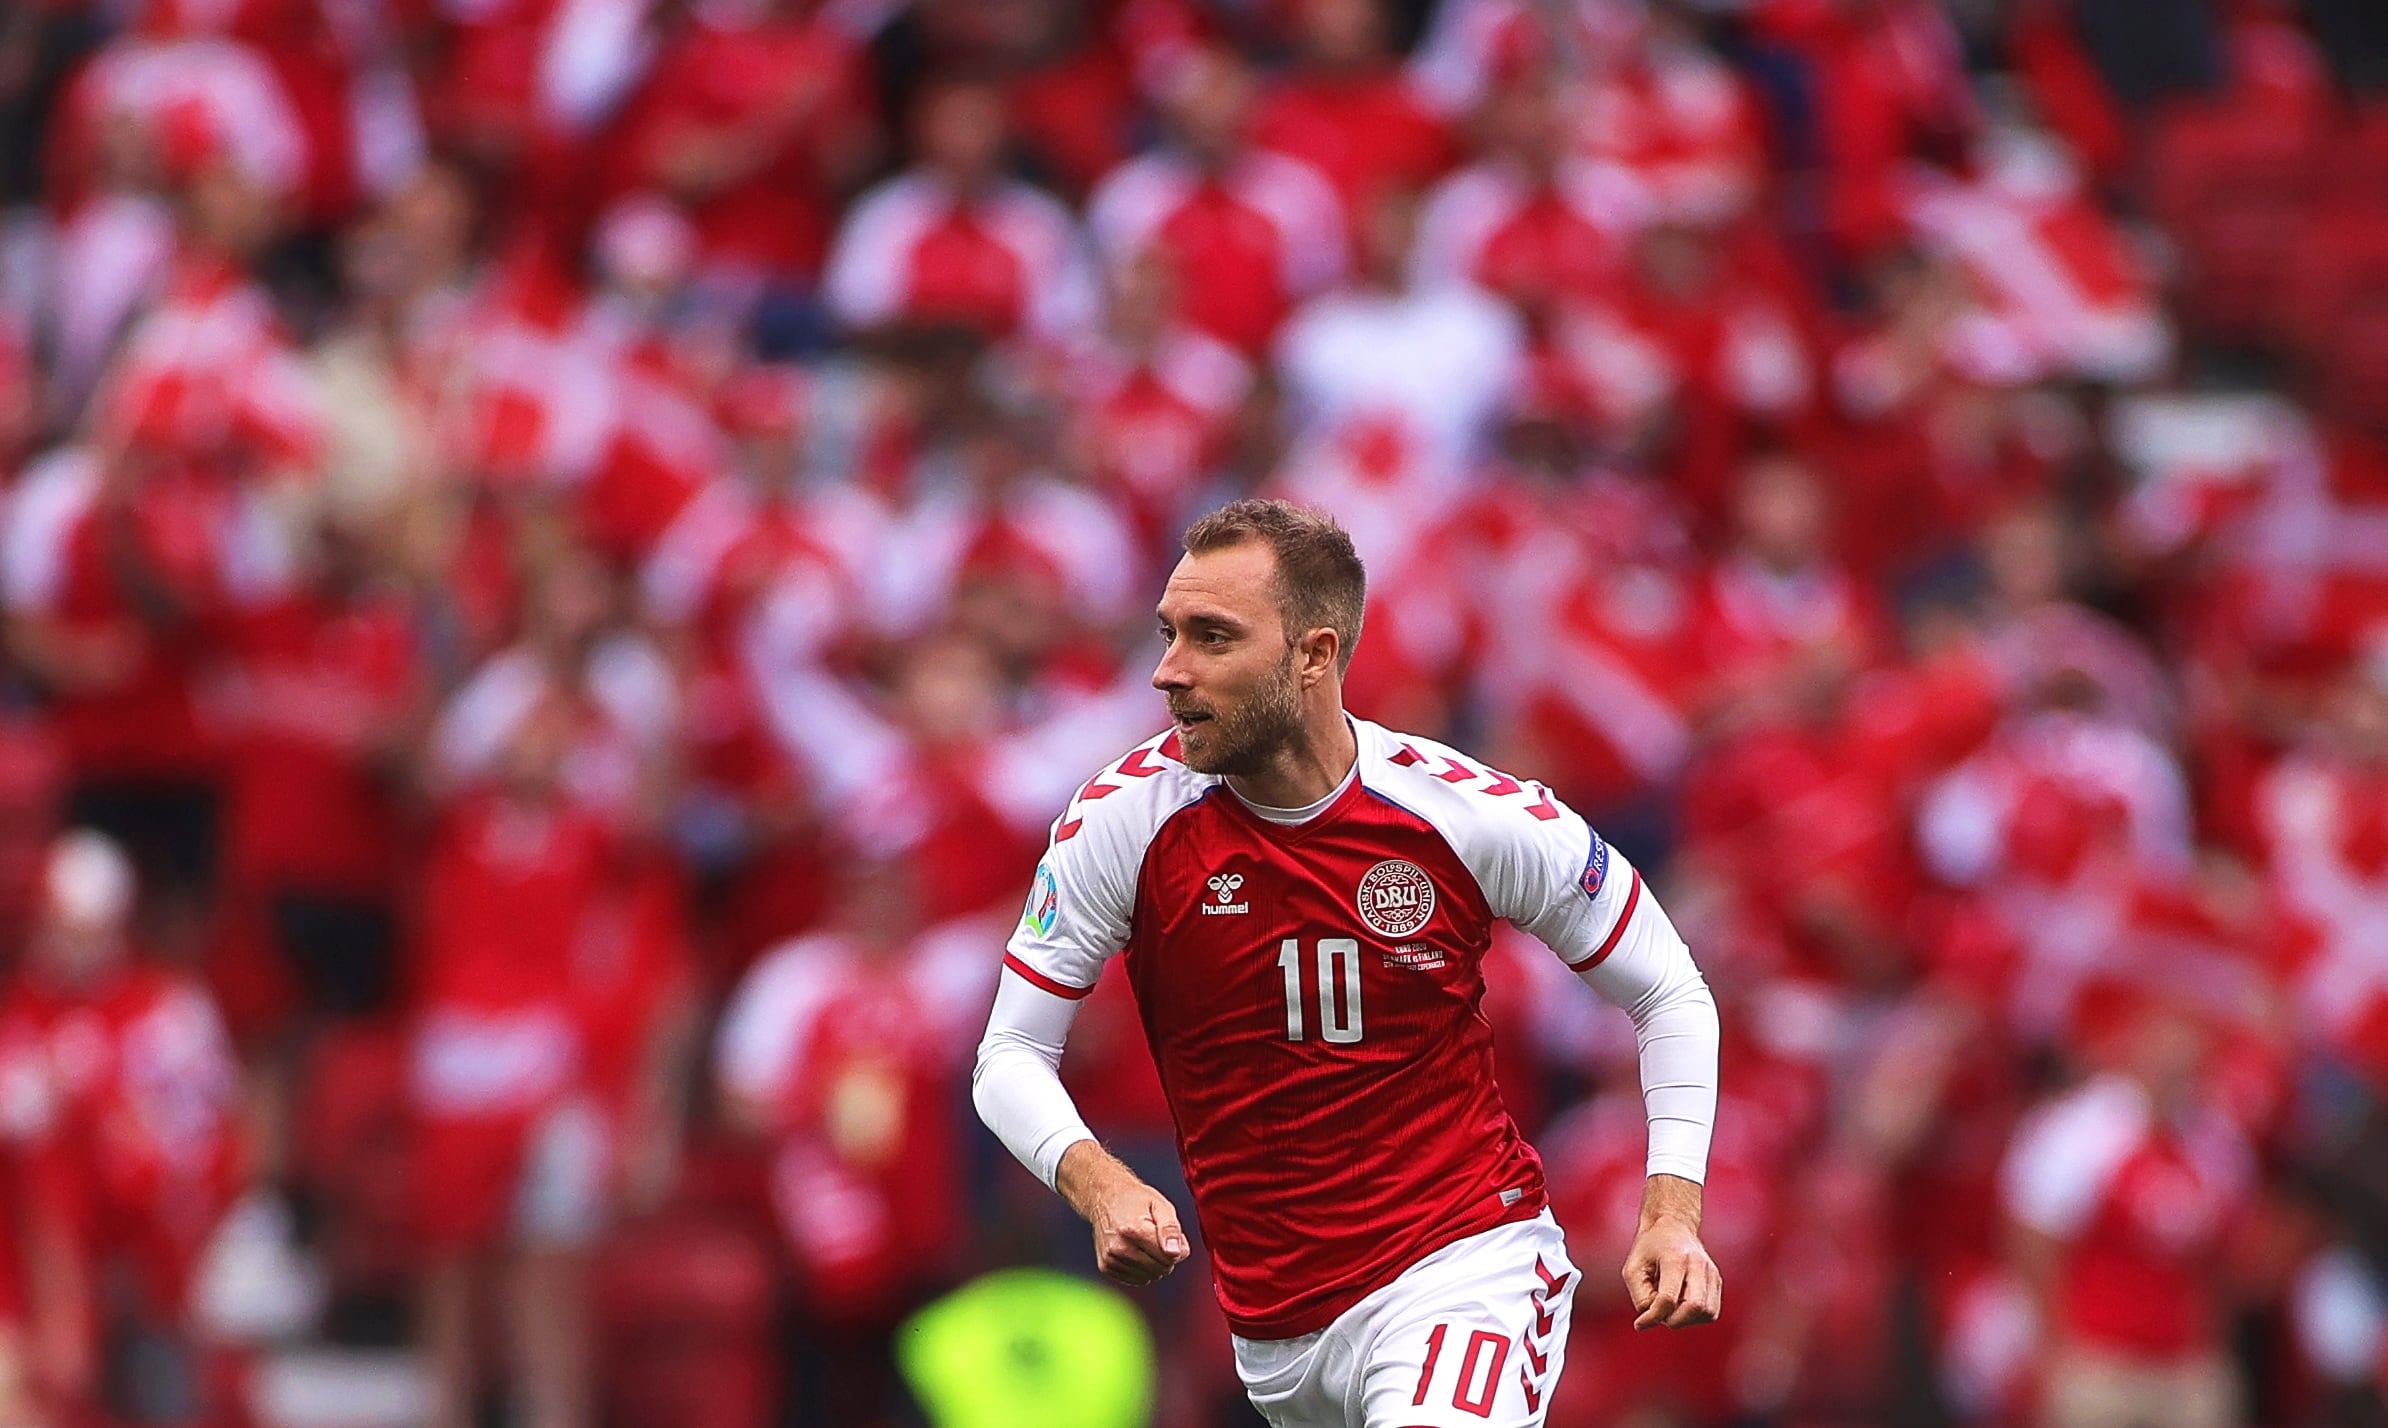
(1467, 1395)
(1338, 985)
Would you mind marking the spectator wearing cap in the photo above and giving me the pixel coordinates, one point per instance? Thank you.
(750, 585)
(754, 555)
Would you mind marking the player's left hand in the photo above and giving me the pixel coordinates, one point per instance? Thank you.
(1673, 1282)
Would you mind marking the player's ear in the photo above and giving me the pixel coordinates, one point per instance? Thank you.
(1318, 650)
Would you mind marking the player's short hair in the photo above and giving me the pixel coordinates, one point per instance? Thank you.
(1320, 580)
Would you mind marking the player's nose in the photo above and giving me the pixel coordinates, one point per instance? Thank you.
(1169, 674)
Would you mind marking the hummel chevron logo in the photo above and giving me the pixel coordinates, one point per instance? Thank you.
(1550, 1282)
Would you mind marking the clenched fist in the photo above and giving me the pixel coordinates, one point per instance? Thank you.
(1673, 1282)
(1136, 1232)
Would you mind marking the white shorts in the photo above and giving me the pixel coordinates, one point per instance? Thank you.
(1472, 1336)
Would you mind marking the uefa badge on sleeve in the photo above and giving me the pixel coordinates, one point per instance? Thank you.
(1596, 867)
(1044, 902)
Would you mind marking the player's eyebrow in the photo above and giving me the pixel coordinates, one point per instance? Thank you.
(1201, 619)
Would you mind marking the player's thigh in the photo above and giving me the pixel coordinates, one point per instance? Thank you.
(1483, 1350)
(1300, 1383)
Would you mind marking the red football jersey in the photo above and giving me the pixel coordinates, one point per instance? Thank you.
(1313, 995)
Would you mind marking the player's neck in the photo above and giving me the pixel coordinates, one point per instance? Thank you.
(1310, 766)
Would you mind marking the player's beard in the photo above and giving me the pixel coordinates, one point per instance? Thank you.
(1238, 740)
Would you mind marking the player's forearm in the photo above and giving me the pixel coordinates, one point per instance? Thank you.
(1678, 1055)
(1652, 976)
(1024, 1103)
(1016, 1084)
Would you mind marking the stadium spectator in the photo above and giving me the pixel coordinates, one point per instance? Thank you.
(954, 240)
(1347, 110)
(1532, 220)
(1246, 233)
(132, 1141)
(839, 1052)
(1391, 389)
(551, 967)
(2122, 1191)
(755, 119)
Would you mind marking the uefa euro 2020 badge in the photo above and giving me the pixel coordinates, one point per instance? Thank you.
(1044, 902)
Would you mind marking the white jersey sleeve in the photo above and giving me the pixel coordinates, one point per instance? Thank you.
(1084, 892)
(1544, 869)
(1078, 916)
(1538, 864)
(1016, 1085)
(1078, 909)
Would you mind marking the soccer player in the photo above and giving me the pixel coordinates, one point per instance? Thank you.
(1304, 901)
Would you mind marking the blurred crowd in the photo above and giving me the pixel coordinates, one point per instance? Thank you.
(559, 557)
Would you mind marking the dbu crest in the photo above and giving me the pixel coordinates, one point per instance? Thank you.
(1396, 898)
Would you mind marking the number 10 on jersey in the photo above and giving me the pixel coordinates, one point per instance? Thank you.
(1337, 962)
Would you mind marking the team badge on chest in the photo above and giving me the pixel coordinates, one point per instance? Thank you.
(1396, 898)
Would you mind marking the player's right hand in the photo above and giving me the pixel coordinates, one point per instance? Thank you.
(1137, 1237)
